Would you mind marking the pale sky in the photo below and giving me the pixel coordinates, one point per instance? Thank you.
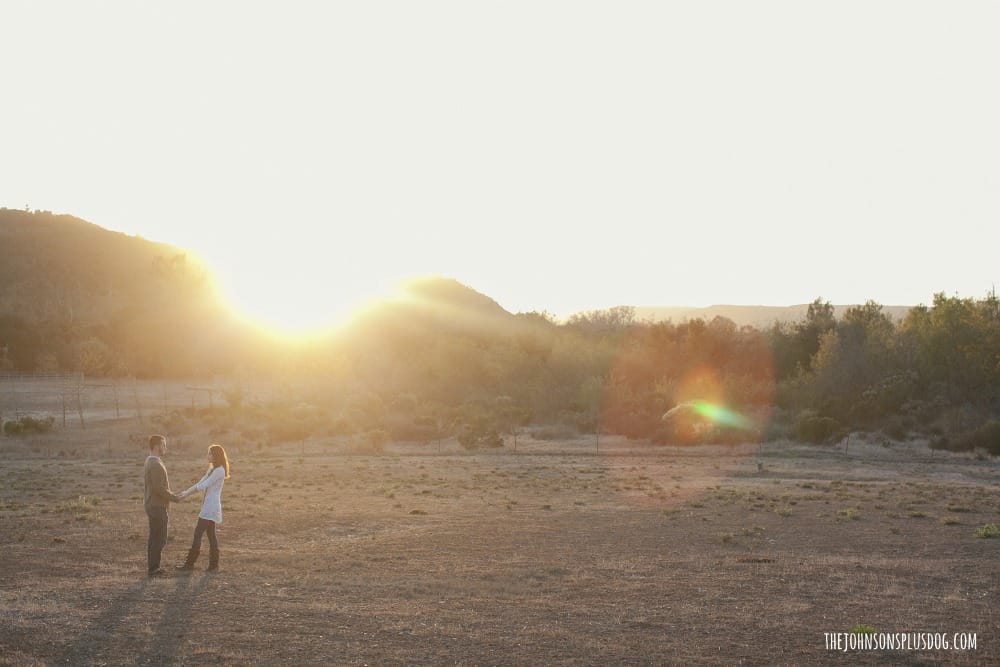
(555, 156)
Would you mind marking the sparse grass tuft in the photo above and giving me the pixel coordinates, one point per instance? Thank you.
(988, 530)
(81, 504)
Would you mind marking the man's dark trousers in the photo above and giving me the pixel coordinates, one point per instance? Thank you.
(157, 536)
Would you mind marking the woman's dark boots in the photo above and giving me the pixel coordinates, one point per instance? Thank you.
(191, 558)
(213, 560)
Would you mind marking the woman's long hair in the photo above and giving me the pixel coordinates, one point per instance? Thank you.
(219, 458)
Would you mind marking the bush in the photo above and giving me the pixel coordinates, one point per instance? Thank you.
(988, 530)
(777, 430)
(377, 439)
(491, 439)
(554, 432)
(471, 438)
(985, 437)
(413, 429)
(466, 438)
(817, 430)
(27, 425)
(174, 422)
(234, 397)
(342, 426)
(897, 428)
(941, 442)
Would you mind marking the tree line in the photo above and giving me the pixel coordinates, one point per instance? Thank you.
(452, 362)
(934, 374)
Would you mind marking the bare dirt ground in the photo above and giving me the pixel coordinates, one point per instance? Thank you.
(554, 555)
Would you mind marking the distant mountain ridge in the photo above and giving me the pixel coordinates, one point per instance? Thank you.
(755, 316)
(59, 265)
(63, 268)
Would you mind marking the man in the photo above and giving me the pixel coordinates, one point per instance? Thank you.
(157, 498)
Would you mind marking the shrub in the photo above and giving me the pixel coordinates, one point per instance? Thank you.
(27, 425)
(471, 438)
(491, 439)
(284, 423)
(897, 428)
(342, 426)
(173, 422)
(817, 430)
(377, 439)
(986, 437)
(420, 428)
(988, 530)
(941, 442)
(289, 431)
(234, 397)
(467, 438)
(367, 410)
(81, 504)
(777, 429)
(557, 431)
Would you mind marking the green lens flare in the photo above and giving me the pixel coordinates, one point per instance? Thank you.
(721, 415)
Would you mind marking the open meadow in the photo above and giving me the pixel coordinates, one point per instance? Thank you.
(557, 554)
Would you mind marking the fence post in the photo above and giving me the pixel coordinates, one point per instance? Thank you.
(135, 395)
(2, 403)
(13, 400)
(79, 399)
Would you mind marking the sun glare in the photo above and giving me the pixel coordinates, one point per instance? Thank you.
(298, 309)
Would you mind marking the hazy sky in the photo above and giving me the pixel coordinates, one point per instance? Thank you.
(553, 155)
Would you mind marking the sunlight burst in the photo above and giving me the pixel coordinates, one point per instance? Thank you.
(300, 304)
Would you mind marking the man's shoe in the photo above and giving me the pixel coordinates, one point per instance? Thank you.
(158, 572)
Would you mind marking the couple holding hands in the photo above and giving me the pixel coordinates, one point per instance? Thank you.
(158, 497)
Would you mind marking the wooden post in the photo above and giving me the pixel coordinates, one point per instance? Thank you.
(2, 404)
(135, 395)
(13, 400)
(79, 399)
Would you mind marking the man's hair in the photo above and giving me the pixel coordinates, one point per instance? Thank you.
(155, 440)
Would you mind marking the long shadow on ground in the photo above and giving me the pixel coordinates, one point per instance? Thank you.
(174, 620)
(102, 630)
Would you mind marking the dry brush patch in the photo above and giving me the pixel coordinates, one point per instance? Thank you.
(638, 557)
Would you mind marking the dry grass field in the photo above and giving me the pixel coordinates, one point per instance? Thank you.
(554, 555)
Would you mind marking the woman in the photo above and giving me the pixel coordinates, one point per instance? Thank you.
(211, 508)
